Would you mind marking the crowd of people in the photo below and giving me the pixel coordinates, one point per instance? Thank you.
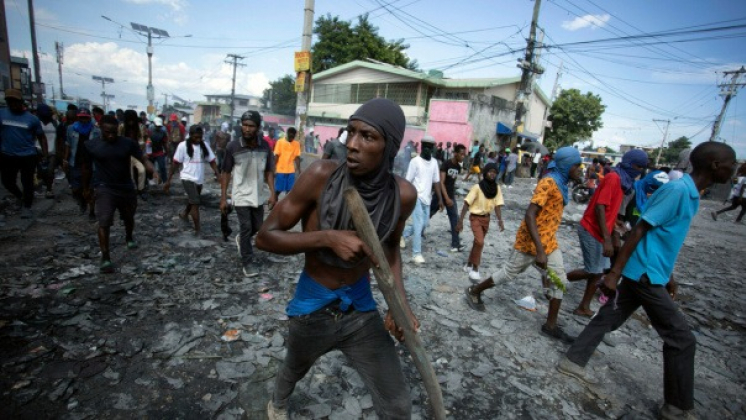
(630, 234)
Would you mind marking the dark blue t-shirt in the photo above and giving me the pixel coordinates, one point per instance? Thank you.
(18, 133)
(111, 162)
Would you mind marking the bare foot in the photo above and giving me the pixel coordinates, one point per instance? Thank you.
(583, 312)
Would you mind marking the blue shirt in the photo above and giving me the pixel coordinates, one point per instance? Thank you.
(669, 211)
(18, 133)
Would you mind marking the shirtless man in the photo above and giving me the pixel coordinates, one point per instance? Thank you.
(333, 307)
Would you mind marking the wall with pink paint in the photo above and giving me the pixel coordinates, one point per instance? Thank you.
(449, 121)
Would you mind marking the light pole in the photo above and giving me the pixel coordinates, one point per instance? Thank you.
(104, 81)
(151, 33)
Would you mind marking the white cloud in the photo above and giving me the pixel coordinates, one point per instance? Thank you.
(129, 69)
(592, 21)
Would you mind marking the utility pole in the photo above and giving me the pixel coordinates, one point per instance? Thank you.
(301, 108)
(37, 90)
(663, 142)
(60, 58)
(235, 64)
(165, 101)
(727, 92)
(529, 67)
(104, 96)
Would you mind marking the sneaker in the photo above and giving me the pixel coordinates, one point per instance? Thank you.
(131, 245)
(402, 243)
(238, 244)
(570, 368)
(106, 267)
(467, 269)
(418, 259)
(671, 412)
(474, 275)
(557, 333)
(459, 248)
(274, 413)
(714, 215)
(26, 213)
(250, 271)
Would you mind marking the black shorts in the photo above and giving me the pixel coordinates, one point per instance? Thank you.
(108, 200)
(193, 191)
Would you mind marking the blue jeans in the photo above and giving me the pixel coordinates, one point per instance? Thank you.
(453, 219)
(420, 219)
(509, 177)
(160, 161)
(370, 350)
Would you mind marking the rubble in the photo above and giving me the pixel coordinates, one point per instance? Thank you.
(178, 332)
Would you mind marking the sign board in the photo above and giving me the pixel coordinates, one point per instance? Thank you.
(151, 109)
(302, 61)
(300, 82)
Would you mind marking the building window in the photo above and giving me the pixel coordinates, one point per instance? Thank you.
(359, 93)
(243, 102)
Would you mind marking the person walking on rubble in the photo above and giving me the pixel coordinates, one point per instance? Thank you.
(642, 276)
(333, 306)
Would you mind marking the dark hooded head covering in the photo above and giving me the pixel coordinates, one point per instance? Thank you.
(253, 116)
(378, 189)
(627, 173)
(488, 186)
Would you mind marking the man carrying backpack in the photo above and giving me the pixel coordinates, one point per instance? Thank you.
(176, 134)
(157, 155)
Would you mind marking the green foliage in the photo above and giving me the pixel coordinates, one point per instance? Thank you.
(281, 98)
(574, 116)
(339, 42)
(670, 154)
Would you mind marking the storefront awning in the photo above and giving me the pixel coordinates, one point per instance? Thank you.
(503, 129)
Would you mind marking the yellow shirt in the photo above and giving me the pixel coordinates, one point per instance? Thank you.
(547, 196)
(286, 152)
(479, 205)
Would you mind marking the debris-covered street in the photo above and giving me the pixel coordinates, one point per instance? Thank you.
(178, 332)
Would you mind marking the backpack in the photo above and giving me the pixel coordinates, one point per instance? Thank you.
(175, 135)
(157, 138)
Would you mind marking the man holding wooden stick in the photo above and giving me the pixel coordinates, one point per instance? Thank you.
(333, 306)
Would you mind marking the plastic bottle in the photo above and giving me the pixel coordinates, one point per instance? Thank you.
(148, 147)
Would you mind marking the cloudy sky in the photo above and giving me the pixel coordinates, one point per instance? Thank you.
(659, 60)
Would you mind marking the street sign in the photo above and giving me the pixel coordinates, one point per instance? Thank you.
(302, 61)
(300, 82)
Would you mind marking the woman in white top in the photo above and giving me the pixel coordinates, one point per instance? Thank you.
(737, 196)
(192, 154)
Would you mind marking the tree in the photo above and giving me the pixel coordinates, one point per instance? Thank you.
(338, 42)
(281, 98)
(670, 154)
(574, 116)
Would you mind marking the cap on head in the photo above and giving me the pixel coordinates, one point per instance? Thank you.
(13, 94)
(158, 122)
(254, 116)
(84, 112)
(428, 139)
(173, 117)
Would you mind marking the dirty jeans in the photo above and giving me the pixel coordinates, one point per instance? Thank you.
(679, 343)
(362, 338)
(160, 162)
(420, 219)
(249, 221)
(480, 225)
(509, 176)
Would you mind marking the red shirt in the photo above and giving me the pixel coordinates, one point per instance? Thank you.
(609, 193)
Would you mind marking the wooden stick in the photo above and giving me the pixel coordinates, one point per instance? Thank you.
(395, 301)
